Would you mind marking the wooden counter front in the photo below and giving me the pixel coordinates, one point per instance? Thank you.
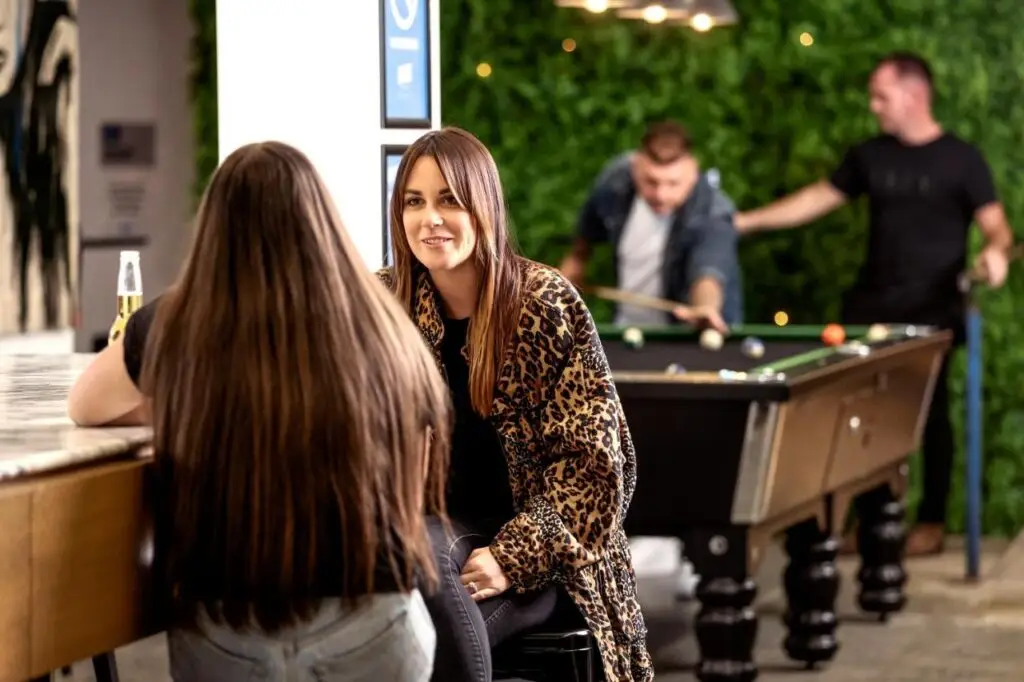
(74, 556)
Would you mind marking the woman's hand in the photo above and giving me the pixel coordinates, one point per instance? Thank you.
(701, 316)
(482, 575)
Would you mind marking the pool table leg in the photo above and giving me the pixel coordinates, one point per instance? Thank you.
(881, 538)
(811, 582)
(726, 625)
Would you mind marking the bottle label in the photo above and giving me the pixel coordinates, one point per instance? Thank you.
(129, 292)
(129, 278)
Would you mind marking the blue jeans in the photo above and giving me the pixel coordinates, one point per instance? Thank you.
(391, 639)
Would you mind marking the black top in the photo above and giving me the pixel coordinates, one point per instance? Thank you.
(922, 202)
(135, 333)
(478, 488)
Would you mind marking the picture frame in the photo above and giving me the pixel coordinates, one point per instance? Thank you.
(390, 158)
(405, 59)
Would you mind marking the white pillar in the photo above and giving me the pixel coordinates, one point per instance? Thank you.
(309, 73)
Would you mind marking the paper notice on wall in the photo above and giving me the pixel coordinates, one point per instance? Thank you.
(125, 199)
(128, 144)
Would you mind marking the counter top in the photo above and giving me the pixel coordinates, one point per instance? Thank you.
(36, 435)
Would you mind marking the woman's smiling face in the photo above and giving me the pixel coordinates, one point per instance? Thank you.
(440, 232)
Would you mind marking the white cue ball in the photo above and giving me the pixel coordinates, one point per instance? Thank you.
(877, 332)
(633, 337)
(711, 339)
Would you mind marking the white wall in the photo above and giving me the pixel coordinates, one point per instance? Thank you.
(307, 73)
(135, 68)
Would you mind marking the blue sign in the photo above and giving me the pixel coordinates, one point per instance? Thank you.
(406, 63)
(391, 161)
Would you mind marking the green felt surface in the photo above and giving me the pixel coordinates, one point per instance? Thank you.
(799, 360)
(765, 332)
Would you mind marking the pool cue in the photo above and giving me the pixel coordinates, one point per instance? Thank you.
(973, 398)
(639, 300)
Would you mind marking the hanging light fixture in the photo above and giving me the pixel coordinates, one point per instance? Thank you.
(595, 6)
(701, 15)
(657, 11)
(706, 14)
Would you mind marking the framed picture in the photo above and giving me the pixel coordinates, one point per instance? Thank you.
(390, 157)
(405, 63)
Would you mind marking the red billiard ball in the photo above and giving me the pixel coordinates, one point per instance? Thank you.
(833, 334)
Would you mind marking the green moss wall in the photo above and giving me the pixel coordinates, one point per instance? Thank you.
(770, 113)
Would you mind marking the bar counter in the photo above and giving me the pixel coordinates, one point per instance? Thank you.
(74, 532)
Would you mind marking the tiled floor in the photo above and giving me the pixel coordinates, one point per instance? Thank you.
(951, 632)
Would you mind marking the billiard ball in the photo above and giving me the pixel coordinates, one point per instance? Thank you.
(675, 368)
(711, 339)
(633, 337)
(877, 332)
(752, 347)
(833, 335)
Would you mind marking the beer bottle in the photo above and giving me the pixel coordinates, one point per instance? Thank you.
(129, 292)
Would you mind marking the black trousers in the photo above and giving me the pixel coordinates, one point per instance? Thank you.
(467, 630)
(937, 452)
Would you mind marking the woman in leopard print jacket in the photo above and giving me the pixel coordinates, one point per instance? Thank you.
(542, 465)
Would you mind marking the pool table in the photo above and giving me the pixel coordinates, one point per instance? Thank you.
(733, 450)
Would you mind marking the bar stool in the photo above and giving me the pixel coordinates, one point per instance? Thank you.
(104, 668)
(548, 654)
(562, 649)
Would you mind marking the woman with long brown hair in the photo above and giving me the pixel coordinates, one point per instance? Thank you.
(300, 436)
(542, 465)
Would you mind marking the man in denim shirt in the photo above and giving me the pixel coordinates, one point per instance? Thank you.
(670, 226)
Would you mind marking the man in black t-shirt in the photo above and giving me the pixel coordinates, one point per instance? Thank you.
(925, 187)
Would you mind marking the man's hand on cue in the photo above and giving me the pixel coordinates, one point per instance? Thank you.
(701, 316)
(993, 264)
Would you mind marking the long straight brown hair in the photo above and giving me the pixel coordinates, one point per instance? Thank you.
(472, 176)
(292, 402)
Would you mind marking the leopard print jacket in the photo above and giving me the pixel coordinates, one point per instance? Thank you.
(571, 463)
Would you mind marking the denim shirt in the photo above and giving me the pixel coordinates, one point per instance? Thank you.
(702, 241)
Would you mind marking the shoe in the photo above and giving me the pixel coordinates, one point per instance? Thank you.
(926, 539)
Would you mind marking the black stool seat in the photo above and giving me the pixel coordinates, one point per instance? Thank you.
(547, 654)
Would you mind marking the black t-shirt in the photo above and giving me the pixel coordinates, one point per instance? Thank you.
(478, 487)
(135, 333)
(922, 201)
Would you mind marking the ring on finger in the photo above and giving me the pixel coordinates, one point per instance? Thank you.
(471, 586)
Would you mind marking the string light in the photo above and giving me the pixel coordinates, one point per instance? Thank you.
(483, 69)
(781, 318)
(568, 44)
(806, 39)
(701, 22)
(596, 6)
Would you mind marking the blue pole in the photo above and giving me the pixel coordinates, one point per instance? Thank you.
(974, 462)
